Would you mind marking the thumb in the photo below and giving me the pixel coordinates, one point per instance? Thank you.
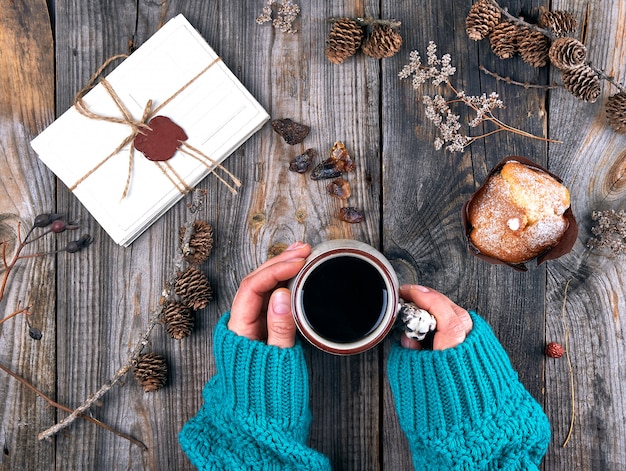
(281, 328)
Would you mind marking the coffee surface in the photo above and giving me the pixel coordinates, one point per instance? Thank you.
(344, 299)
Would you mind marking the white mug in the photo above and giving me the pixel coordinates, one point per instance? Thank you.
(345, 300)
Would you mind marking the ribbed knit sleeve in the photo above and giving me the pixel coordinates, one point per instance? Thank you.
(256, 409)
(464, 408)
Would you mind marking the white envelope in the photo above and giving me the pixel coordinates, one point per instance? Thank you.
(215, 110)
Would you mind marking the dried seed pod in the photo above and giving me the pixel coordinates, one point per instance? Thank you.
(383, 41)
(481, 19)
(293, 133)
(504, 39)
(561, 22)
(616, 112)
(339, 188)
(343, 40)
(150, 371)
(200, 242)
(194, 288)
(302, 162)
(533, 46)
(582, 82)
(351, 214)
(567, 53)
(178, 320)
(45, 219)
(339, 155)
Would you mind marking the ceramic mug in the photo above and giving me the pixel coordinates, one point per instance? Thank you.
(345, 300)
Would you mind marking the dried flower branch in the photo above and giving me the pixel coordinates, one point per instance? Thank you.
(286, 15)
(67, 409)
(438, 111)
(609, 231)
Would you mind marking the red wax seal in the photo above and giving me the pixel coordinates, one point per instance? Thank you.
(162, 140)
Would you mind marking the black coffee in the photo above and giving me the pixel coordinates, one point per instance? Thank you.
(344, 299)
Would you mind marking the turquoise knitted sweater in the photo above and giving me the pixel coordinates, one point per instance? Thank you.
(461, 409)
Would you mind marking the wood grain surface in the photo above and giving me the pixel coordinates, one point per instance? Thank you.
(92, 307)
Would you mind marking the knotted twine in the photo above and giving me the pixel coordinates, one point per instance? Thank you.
(139, 127)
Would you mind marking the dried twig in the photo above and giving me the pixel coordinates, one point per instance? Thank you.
(155, 318)
(55, 404)
(510, 81)
(569, 365)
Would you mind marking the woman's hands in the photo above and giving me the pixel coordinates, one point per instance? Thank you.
(261, 309)
(453, 322)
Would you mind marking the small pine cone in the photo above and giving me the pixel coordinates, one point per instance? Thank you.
(194, 288)
(616, 112)
(178, 320)
(567, 53)
(481, 19)
(383, 41)
(200, 243)
(534, 47)
(343, 40)
(504, 39)
(554, 350)
(561, 22)
(582, 82)
(150, 371)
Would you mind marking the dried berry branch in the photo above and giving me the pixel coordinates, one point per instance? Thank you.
(438, 108)
(56, 405)
(155, 318)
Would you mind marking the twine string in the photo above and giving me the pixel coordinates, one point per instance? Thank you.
(138, 127)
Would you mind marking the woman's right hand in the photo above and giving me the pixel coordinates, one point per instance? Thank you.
(453, 322)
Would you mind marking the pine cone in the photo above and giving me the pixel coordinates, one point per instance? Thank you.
(194, 288)
(567, 53)
(561, 22)
(534, 47)
(178, 320)
(150, 371)
(504, 39)
(200, 243)
(383, 41)
(616, 112)
(343, 40)
(481, 19)
(582, 82)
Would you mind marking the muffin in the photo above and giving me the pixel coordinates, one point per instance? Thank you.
(521, 212)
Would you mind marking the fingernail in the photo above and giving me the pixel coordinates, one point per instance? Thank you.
(295, 245)
(281, 302)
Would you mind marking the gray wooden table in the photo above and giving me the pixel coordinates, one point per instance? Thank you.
(92, 307)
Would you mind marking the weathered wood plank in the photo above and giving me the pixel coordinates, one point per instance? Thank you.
(592, 160)
(26, 107)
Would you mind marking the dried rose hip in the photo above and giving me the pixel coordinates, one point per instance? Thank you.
(303, 162)
(292, 132)
(339, 188)
(351, 215)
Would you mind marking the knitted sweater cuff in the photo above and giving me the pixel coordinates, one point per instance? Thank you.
(468, 395)
(260, 383)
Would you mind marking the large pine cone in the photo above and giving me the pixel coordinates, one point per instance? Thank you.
(616, 112)
(343, 40)
(178, 320)
(582, 82)
(504, 39)
(383, 41)
(567, 53)
(561, 22)
(150, 371)
(534, 47)
(481, 19)
(194, 288)
(200, 242)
